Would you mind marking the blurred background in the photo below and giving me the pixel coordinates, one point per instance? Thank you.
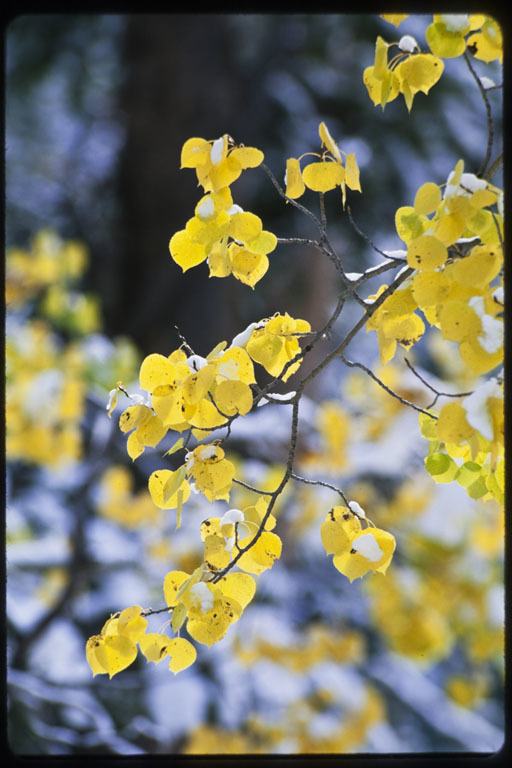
(97, 110)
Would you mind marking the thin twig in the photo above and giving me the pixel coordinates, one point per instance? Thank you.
(367, 239)
(490, 124)
(322, 483)
(433, 389)
(353, 364)
(252, 488)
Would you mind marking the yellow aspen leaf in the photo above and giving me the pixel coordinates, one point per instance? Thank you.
(329, 142)
(156, 370)
(208, 632)
(178, 356)
(487, 45)
(183, 654)
(483, 225)
(247, 267)
(176, 447)
(219, 261)
(163, 485)
(216, 556)
(409, 224)
(394, 18)
(115, 653)
(264, 348)
(477, 359)
(483, 198)
(458, 321)
(154, 646)
(444, 43)
(233, 397)
(206, 416)
(452, 425)
(244, 226)
(93, 643)
(174, 483)
(179, 616)
(323, 176)
(208, 232)
(420, 72)
(428, 198)
(131, 623)
(450, 227)
(293, 180)
(151, 431)
(195, 152)
(371, 550)
(235, 364)
(248, 157)
(427, 426)
(352, 172)
(133, 417)
(401, 302)
(426, 253)
(238, 586)
(197, 384)
(381, 90)
(210, 526)
(381, 58)
(185, 252)
(173, 582)
(338, 530)
(264, 243)
(170, 406)
(429, 288)
(134, 447)
(215, 352)
(441, 467)
(262, 554)
(405, 330)
(479, 267)
(387, 347)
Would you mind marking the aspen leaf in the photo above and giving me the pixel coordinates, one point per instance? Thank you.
(115, 653)
(156, 370)
(197, 384)
(134, 447)
(409, 224)
(352, 172)
(248, 267)
(219, 261)
(245, 226)
(185, 252)
(233, 397)
(329, 142)
(183, 654)
(428, 198)
(154, 646)
(248, 157)
(264, 243)
(195, 152)
(238, 586)
(179, 616)
(429, 288)
(173, 582)
(426, 252)
(452, 425)
(444, 43)
(176, 447)
(323, 176)
(295, 186)
(371, 550)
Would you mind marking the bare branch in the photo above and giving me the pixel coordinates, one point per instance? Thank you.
(387, 389)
